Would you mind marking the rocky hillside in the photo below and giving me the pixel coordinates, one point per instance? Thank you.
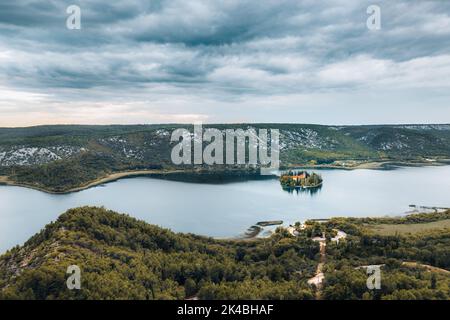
(62, 157)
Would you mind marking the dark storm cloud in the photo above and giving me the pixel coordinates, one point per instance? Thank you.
(220, 50)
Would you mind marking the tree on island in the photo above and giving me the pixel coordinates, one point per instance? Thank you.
(294, 179)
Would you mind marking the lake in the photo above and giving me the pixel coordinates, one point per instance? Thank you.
(227, 210)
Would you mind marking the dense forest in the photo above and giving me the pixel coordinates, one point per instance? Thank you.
(414, 265)
(123, 258)
(60, 158)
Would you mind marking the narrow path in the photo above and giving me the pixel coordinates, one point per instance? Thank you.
(317, 280)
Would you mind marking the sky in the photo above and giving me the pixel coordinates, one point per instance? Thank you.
(228, 61)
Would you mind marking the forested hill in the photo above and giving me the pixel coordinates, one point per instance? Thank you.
(122, 258)
(62, 157)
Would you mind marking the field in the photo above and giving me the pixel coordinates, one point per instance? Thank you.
(401, 229)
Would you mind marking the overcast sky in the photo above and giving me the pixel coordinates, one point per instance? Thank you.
(148, 61)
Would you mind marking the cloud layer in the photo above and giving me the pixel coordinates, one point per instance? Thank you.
(138, 61)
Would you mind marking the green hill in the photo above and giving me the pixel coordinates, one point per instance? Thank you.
(123, 258)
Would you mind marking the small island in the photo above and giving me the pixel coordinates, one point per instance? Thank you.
(300, 179)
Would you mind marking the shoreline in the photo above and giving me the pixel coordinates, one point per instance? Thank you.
(4, 180)
(374, 165)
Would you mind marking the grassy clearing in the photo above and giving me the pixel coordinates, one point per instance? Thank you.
(392, 229)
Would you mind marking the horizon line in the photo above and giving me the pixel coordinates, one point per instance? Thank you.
(218, 123)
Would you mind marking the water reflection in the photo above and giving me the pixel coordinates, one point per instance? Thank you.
(299, 190)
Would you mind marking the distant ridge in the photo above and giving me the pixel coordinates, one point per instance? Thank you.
(64, 157)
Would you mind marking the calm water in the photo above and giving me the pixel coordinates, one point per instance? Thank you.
(229, 209)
